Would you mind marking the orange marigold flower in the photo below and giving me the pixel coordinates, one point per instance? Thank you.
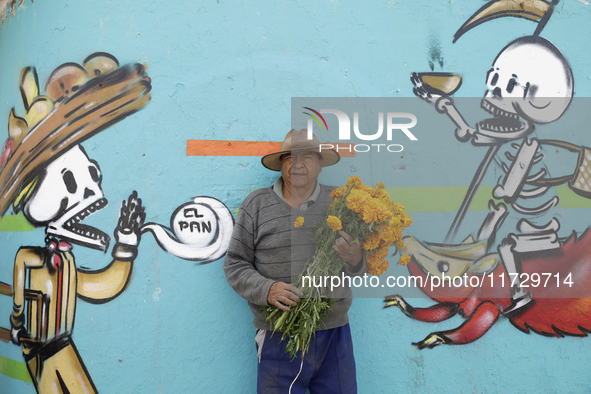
(385, 198)
(372, 241)
(391, 237)
(377, 255)
(356, 200)
(334, 223)
(377, 268)
(366, 188)
(354, 179)
(406, 220)
(388, 235)
(370, 214)
(404, 260)
(375, 193)
(384, 214)
(375, 211)
(398, 208)
(395, 221)
(336, 193)
(299, 222)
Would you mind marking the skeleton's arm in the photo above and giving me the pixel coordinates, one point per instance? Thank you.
(517, 176)
(445, 105)
(25, 258)
(579, 181)
(103, 285)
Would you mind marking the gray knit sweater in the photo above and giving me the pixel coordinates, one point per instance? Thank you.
(266, 248)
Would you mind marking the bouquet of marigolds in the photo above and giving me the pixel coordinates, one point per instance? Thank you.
(368, 215)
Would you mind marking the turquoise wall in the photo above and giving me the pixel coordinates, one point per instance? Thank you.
(223, 70)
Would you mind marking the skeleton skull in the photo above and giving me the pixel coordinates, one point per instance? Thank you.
(68, 192)
(530, 82)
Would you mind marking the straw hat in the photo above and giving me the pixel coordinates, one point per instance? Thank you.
(297, 140)
(79, 102)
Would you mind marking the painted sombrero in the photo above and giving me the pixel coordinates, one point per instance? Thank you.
(79, 102)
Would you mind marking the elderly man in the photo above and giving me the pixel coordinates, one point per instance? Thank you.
(261, 264)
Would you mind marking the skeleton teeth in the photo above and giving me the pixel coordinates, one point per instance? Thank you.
(85, 234)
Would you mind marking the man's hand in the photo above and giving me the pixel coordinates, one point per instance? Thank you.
(283, 295)
(348, 250)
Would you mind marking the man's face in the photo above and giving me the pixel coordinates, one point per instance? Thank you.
(301, 169)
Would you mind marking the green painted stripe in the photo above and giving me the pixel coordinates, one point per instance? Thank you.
(422, 199)
(15, 223)
(449, 198)
(438, 198)
(14, 369)
(569, 199)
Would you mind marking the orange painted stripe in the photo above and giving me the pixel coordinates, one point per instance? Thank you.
(249, 148)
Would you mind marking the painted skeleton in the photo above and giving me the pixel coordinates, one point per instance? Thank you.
(529, 83)
(47, 175)
(69, 192)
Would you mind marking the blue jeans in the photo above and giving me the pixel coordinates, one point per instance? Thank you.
(328, 366)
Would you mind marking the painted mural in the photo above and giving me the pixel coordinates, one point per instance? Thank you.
(527, 276)
(46, 174)
(129, 296)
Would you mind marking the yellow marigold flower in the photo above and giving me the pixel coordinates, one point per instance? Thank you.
(377, 267)
(354, 179)
(365, 188)
(382, 253)
(334, 223)
(393, 238)
(395, 221)
(370, 213)
(377, 255)
(384, 214)
(337, 192)
(372, 241)
(356, 200)
(399, 244)
(397, 208)
(372, 260)
(380, 185)
(299, 222)
(404, 260)
(388, 236)
(385, 198)
(375, 211)
(405, 220)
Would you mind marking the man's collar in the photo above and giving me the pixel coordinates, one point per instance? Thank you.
(278, 186)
